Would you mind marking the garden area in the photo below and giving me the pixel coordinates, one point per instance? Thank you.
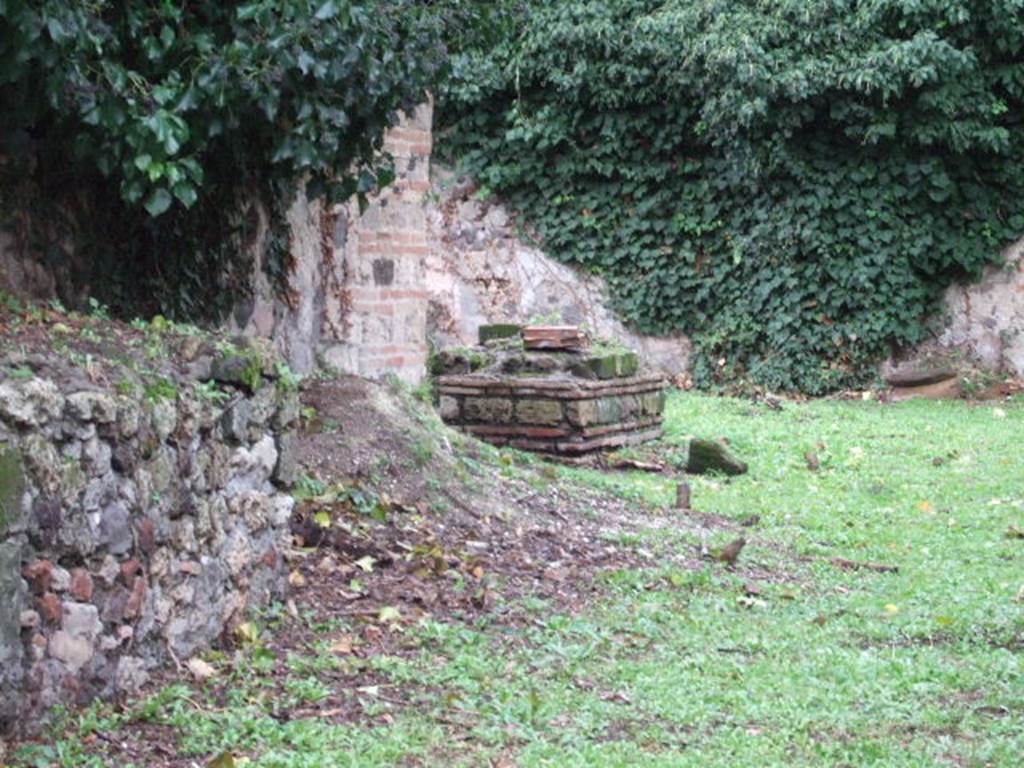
(250, 258)
(875, 616)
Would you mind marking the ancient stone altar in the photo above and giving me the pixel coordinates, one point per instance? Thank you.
(569, 399)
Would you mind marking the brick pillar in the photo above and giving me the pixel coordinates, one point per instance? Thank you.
(382, 305)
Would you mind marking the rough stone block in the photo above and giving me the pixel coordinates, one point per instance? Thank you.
(81, 620)
(288, 410)
(286, 471)
(129, 416)
(238, 370)
(610, 366)
(92, 406)
(711, 456)
(653, 403)
(582, 413)
(39, 575)
(164, 419)
(235, 422)
(609, 410)
(603, 367)
(12, 487)
(448, 407)
(539, 412)
(498, 331)
(115, 529)
(628, 364)
(12, 595)
(630, 405)
(492, 410)
(30, 403)
(73, 652)
(81, 586)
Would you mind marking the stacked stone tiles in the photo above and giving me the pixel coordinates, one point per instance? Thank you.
(563, 416)
(132, 532)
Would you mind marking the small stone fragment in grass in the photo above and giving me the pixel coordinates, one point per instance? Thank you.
(683, 496)
(711, 456)
(813, 462)
(200, 669)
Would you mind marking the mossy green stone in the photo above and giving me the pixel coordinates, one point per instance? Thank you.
(498, 331)
(12, 486)
(545, 412)
(628, 363)
(609, 410)
(709, 456)
(610, 366)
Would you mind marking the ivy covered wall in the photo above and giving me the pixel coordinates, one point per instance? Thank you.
(794, 182)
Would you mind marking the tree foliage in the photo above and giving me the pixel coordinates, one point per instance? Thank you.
(793, 182)
(161, 117)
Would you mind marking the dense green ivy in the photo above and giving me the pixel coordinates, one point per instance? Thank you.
(150, 126)
(793, 182)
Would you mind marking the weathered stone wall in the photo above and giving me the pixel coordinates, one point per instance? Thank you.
(481, 271)
(987, 318)
(382, 311)
(357, 296)
(133, 531)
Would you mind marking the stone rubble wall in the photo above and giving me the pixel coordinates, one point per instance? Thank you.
(132, 533)
(554, 416)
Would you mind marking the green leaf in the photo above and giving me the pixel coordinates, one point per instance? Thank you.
(186, 193)
(326, 11)
(389, 614)
(158, 202)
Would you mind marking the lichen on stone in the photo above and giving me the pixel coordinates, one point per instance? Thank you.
(12, 486)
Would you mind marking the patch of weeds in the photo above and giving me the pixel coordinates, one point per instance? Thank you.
(126, 387)
(287, 380)
(161, 390)
(309, 487)
(355, 498)
(98, 310)
(88, 334)
(21, 372)
(306, 690)
(440, 506)
(425, 392)
(422, 451)
(307, 415)
(210, 391)
(305, 664)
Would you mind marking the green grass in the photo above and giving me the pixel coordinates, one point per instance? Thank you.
(677, 667)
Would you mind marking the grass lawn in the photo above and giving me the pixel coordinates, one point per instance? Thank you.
(789, 661)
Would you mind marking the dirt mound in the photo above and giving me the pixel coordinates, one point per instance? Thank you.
(450, 524)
